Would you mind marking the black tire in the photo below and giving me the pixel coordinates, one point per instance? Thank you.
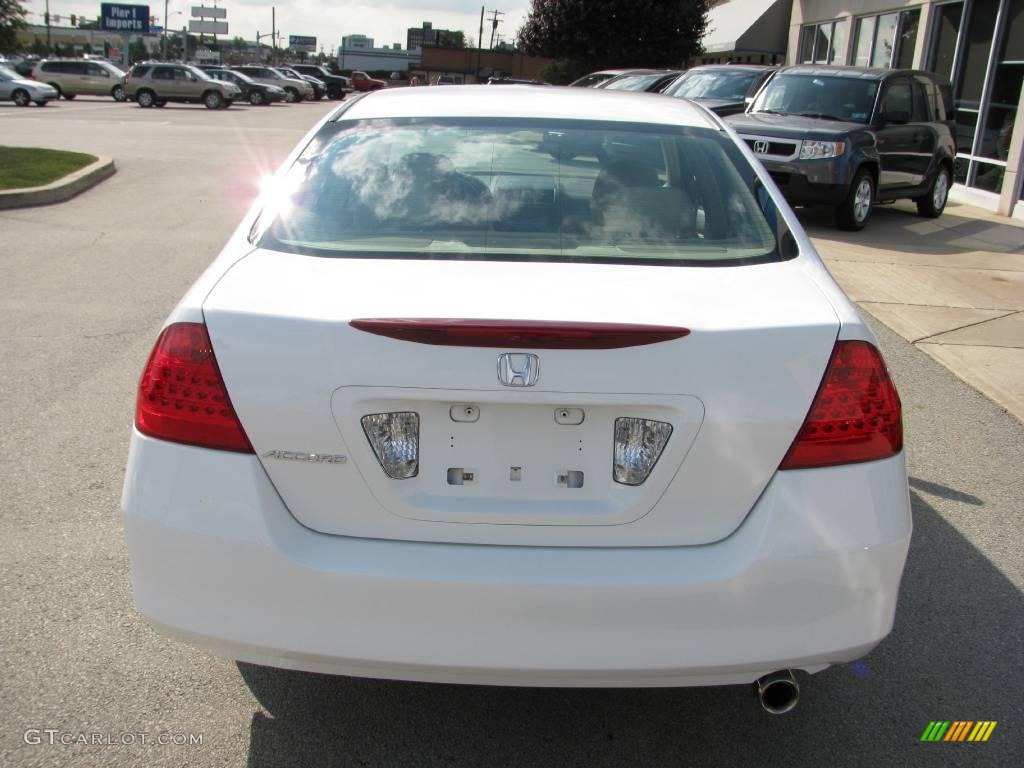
(160, 104)
(42, 103)
(932, 204)
(335, 92)
(291, 95)
(256, 98)
(227, 103)
(57, 89)
(145, 98)
(21, 98)
(853, 213)
(69, 96)
(117, 93)
(213, 100)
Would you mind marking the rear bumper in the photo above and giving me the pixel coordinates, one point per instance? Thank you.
(808, 580)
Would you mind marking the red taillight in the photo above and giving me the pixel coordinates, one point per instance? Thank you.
(182, 397)
(533, 334)
(856, 415)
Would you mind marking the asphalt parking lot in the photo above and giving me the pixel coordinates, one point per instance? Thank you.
(86, 285)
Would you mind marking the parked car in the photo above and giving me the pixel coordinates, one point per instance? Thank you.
(295, 90)
(255, 93)
(726, 89)
(22, 91)
(849, 137)
(80, 77)
(513, 81)
(650, 82)
(319, 86)
(594, 79)
(363, 82)
(337, 85)
(450, 415)
(154, 85)
(26, 66)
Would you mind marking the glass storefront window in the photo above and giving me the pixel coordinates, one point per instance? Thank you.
(887, 40)
(907, 40)
(989, 177)
(823, 43)
(946, 27)
(865, 38)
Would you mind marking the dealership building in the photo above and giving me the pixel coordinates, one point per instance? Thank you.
(978, 45)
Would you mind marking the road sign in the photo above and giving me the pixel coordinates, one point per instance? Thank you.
(203, 12)
(302, 42)
(124, 18)
(207, 27)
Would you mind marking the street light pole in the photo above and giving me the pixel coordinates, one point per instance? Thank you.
(163, 54)
(48, 24)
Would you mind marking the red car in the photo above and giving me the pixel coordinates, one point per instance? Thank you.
(363, 82)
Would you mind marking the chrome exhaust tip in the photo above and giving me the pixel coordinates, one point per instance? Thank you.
(778, 692)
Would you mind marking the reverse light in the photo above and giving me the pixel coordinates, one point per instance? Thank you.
(818, 150)
(638, 445)
(182, 397)
(856, 415)
(395, 439)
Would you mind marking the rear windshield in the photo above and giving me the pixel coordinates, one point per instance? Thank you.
(821, 96)
(633, 82)
(713, 84)
(524, 190)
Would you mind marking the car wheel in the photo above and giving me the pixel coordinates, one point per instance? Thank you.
(335, 93)
(42, 103)
(57, 89)
(227, 103)
(256, 98)
(69, 96)
(145, 99)
(213, 100)
(933, 204)
(21, 98)
(291, 95)
(852, 214)
(160, 104)
(118, 93)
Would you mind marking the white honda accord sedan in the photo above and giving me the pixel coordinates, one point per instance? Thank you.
(524, 386)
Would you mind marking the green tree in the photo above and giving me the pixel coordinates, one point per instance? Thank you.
(12, 19)
(453, 39)
(615, 33)
(38, 47)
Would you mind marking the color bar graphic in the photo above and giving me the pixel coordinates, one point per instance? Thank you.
(958, 730)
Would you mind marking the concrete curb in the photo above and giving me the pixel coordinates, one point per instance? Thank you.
(60, 190)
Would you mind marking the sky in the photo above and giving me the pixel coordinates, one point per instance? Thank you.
(386, 22)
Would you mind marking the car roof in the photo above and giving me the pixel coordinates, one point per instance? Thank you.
(735, 67)
(530, 101)
(864, 73)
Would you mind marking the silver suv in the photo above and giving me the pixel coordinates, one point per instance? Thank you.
(153, 85)
(78, 77)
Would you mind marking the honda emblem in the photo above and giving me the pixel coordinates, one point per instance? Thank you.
(761, 147)
(518, 369)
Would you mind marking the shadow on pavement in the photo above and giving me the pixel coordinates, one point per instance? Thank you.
(955, 654)
(935, 489)
(899, 228)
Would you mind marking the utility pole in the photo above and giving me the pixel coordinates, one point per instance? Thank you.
(273, 35)
(480, 44)
(163, 50)
(495, 21)
(48, 25)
